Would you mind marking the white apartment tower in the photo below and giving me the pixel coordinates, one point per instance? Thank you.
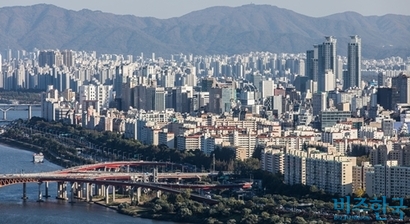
(273, 160)
(330, 80)
(330, 173)
(268, 88)
(101, 93)
(389, 180)
(295, 167)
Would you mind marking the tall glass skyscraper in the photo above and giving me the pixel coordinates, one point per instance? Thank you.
(326, 60)
(354, 60)
(311, 69)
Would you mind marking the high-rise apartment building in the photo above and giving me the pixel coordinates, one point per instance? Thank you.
(359, 176)
(295, 167)
(310, 65)
(247, 95)
(268, 87)
(102, 94)
(330, 81)
(68, 58)
(389, 180)
(207, 84)
(326, 60)
(319, 102)
(339, 68)
(354, 60)
(220, 99)
(272, 160)
(155, 98)
(300, 67)
(388, 127)
(384, 98)
(331, 173)
(50, 58)
(329, 118)
(401, 89)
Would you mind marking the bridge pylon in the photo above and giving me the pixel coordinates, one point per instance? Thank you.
(138, 195)
(107, 194)
(40, 195)
(61, 191)
(72, 190)
(46, 195)
(5, 112)
(24, 192)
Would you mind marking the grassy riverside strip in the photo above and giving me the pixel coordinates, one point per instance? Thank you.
(36, 149)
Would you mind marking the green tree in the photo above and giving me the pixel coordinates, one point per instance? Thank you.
(247, 167)
(265, 216)
(299, 220)
(246, 211)
(275, 219)
(184, 212)
(186, 193)
(359, 192)
(257, 153)
(157, 208)
(314, 189)
(250, 219)
(231, 221)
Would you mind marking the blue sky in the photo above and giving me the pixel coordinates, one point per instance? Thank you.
(173, 8)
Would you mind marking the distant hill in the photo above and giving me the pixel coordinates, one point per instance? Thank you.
(215, 30)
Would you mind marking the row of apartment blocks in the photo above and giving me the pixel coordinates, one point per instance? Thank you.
(332, 173)
(389, 179)
(182, 131)
(386, 173)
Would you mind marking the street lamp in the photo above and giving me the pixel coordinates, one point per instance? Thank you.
(113, 153)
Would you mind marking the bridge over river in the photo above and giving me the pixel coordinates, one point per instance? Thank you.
(10, 107)
(103, 179)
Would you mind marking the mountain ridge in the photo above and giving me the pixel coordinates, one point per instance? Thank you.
(215, 30)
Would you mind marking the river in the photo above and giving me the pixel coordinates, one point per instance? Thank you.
(14, 210)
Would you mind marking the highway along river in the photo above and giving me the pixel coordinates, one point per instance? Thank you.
(14, 210)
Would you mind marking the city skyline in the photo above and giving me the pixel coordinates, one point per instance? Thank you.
(311, 128)
(161, 9)
(308, 99)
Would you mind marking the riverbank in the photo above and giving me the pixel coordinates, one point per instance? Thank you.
(54, 150)
(20, 145)
(133, 211)
(13, 209)
(32, 148)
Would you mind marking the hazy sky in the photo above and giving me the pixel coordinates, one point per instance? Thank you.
(173, 8)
